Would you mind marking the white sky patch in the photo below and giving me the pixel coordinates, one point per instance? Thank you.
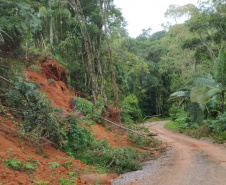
(144, 14)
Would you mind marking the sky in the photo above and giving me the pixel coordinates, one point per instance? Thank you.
(144, 14)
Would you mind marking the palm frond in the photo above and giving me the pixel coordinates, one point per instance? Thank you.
(180, 96)
(220, 69)
(203, 94)
(203, 80)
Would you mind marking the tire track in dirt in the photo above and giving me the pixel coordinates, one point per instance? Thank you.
(191, 161)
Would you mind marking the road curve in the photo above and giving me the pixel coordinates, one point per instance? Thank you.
(189, 162)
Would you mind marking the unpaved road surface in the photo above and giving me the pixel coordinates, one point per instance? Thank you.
(189, 162)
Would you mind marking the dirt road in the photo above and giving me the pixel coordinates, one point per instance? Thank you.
(189, 162)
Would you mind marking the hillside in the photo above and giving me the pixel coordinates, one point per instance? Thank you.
(76, 89)
(20, 161)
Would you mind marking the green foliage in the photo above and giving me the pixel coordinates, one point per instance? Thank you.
(87, 108)
(139, 128)
(53, 165)
(142, 142)
(16, 19)
(19, 165)
(220, 137)
(82, 145)
(198, 131)
(219, 124)
(41, 183)
(68, 181)
(84, 106)
(37, 113)
(157, 119)
(175, 112)
(179, 122)
(130, 109)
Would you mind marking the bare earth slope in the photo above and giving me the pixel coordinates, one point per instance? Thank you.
(189, 162)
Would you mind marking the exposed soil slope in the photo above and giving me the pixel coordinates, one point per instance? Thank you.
(60, 96)
(191, 161)
(52, 80)
(12, 147)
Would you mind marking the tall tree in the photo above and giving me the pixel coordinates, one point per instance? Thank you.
(104, 16)
(84, 30)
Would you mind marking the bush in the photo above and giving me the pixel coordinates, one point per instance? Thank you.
(179, 123)
(19, 165)
(142, 142)
(218, 127)
(36, 112)
(131, 111)
(87, 108)
(219, 124)
(173, 111)
(220, 137)
(201, 131)
(84, 106)
(83, 146)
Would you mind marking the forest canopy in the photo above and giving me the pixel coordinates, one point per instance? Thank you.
(89, 38)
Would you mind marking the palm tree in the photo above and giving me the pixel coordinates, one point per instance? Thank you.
(204, 87)
(182, 95)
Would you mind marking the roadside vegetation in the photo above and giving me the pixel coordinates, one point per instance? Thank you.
(209, 128)
(82, 49)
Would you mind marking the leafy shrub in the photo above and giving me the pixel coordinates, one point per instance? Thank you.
(201, 131)
(98, 109)
(173, 111)
(139, 128)
(83, 146)
(35, 67)
(219, 124)
(179, 123)
(131, 111)
(218, 127)
(84, 106)
(18, 165)
(177, 113)
(87, 108)
(36, 112)
(142, 142)
(220, 137)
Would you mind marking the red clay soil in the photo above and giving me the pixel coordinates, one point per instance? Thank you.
(114, 139)
(58, 94)
(12, 147)
(61, 99)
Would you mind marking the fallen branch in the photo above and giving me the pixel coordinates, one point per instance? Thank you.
(151, 116)
(150, 149)
(115, 124)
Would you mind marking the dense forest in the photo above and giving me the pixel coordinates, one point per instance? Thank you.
(178, 72)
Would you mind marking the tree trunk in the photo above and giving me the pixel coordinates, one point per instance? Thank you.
(97, 52)
(222, 102)
(51, 27)
(43, 42)
(85, 35)
(114, 85)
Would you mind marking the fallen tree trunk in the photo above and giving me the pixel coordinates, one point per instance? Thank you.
(133, 131)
